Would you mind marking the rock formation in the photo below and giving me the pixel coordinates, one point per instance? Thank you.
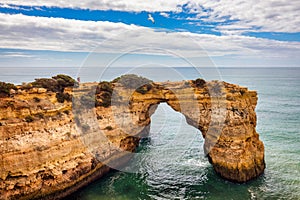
(50, 148)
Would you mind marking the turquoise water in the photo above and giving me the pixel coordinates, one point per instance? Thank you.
(175, 166)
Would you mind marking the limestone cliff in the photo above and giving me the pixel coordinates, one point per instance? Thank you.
(49, 148)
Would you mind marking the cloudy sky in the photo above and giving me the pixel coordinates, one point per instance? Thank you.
(238, 33)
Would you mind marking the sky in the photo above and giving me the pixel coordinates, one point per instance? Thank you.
(72, 33)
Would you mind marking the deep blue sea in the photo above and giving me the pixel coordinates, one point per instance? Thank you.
(175, 166)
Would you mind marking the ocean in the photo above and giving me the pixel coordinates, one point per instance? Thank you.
(175, 166)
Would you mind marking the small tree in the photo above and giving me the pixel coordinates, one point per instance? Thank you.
(132, 81)
(199, 82)
(55, 84)
(5, 88)
(104, 86)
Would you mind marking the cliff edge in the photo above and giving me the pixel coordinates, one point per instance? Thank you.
(57, 135)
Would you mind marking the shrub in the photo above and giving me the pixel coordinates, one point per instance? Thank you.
(144, 89)
(104, 91)
(5, 88)
(186, 83)
(29, 118)
(55, 84)
(109, 128)
(116, 80)
(104, 86)
(199, 82)
(90, 100)
(105, 104)
(47, 83)
(132, 81)
(64, 80)
(68, 97)
(61, 97)
(105, 99)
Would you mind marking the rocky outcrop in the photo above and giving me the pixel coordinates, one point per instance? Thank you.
(49, 149)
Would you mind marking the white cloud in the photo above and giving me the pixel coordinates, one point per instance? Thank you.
(27, 32)
(14, 7)
(58, 34)
(16, 55)
(132, 5)
(164, 14)
(268, 15)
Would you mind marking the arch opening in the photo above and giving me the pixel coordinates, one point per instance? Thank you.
(172, 153)
(171, 134)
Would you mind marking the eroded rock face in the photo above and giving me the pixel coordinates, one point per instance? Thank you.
(63, 147)
(225, 115)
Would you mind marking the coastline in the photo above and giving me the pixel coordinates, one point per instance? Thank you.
(52, 146)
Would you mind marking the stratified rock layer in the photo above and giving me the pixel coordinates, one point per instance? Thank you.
(63, 146)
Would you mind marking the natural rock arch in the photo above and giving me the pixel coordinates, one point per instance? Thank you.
(63, 148)
(225, 115)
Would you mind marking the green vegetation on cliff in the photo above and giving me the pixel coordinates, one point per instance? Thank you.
(199, 82)
(55, 84)
(5, 89)
(104, 92)
(61, 97)
(104, 86)
(140, 84)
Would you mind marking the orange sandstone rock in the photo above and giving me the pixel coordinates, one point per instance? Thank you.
(66, 146)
